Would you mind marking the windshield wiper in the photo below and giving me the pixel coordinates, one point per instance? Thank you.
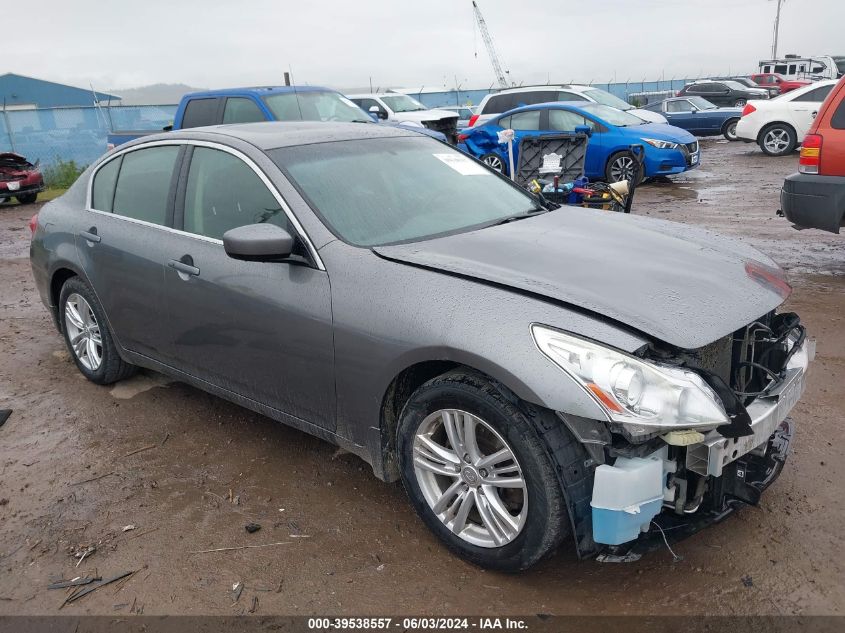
(521, 216)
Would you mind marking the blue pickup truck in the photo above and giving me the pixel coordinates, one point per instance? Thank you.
(249, 105)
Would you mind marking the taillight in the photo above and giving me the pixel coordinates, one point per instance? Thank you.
(748, 109)
(811, 154)
(473, 119)
(463, 137)
(33, 223)
(109, 147)
(678, 94)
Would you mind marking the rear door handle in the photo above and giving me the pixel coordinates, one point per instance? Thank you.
(184, 268)
(91, 235)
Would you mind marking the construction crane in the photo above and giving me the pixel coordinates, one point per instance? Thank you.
(491, 49)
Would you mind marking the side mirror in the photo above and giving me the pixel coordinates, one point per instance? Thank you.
(381, 114)
(584, 129)
(258, 243)
(693, 109)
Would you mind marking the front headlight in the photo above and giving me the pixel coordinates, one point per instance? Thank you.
(646, 396)
(656, 142)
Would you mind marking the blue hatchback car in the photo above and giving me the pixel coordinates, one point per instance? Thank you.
(668, 149)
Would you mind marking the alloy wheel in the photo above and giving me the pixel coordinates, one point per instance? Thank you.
(495, 162)
(739, 103)
(776, 140)
(470, 478)
(83, 332)
(622, 169)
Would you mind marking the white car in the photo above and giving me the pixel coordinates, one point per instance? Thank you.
(398, 107)
(505, 100)
(779, 125)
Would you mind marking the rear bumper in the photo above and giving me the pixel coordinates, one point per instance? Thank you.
(812, 201)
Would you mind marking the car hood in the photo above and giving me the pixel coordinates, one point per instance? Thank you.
(679, 284)
(661, 131)
(648, 115)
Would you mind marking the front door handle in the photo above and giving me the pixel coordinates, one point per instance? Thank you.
(91, 235)
(185, 266)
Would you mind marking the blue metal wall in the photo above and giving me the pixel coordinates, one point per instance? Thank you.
(19, 90)
(77, 134)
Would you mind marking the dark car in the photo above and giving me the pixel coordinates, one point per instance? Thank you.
(510, 362)
(723, 93)
(698, 116)
(19, 178)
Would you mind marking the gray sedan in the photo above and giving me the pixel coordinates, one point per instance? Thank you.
(529, 372)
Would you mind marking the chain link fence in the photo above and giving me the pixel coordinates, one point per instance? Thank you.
(61, 135)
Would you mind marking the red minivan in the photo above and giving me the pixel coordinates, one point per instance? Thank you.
(815, 196)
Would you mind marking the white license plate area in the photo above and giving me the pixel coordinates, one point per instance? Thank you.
(13, 186)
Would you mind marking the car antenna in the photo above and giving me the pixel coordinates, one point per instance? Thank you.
(295, 93)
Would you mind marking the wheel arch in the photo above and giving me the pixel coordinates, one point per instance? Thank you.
(773, 123)
(727, 123)
(57, 280)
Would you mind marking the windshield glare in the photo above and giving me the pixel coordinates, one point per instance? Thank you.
(372, 192)
(403, 103)
(605, 98)
(611, 115)
(314, 106)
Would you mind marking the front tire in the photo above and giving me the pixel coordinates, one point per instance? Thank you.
(729, 130)
(478, 474)
(622, 166)
(87, 335)
(28, 198)
(778, 139)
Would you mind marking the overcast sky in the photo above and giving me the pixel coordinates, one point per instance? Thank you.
(341, 43)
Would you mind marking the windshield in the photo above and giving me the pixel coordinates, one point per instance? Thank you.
(605, 98)
(701, 103)
(372, 192)
(402, 103)
(611, 115)
(314, 106)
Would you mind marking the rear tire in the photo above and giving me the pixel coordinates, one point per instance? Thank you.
(777, 139)
(739, 103)
(495, 162)
(28, 198)
(729, 130)
(500, 425)
(87, 335)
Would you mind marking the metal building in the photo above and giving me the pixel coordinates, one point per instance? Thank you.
(18, 92)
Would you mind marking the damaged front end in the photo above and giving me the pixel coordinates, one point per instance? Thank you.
(656, 482)
(18, 177)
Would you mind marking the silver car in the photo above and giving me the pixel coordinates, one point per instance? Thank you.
(530, 372)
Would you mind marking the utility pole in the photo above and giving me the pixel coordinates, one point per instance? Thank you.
(777, 24)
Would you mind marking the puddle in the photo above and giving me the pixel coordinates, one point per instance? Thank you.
(139, 383)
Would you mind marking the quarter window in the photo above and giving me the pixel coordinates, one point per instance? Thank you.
(102, 194)
(241, 110)
(223, 193)
(143, 187)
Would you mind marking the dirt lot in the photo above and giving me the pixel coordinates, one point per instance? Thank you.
(79, 462)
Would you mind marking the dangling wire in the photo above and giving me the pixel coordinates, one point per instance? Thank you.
(675, 557)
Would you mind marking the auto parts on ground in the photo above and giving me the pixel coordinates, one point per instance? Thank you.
(4, 415)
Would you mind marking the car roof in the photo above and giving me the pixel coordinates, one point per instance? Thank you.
(258, 91)
(268, 135)
(559, 105)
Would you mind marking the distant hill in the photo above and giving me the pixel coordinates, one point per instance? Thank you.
(155, 94)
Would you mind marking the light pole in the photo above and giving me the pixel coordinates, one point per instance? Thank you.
(777, 24)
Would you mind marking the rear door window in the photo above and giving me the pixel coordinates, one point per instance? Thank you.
(102, 194)
(223, 193)
(143, 186)
(679, 106)
(816, 95)
(200, 112)
(498, 104)
(525, 120)
(242, 110)
(837, 122)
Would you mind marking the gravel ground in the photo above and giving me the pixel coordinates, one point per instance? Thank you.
(80, 462)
